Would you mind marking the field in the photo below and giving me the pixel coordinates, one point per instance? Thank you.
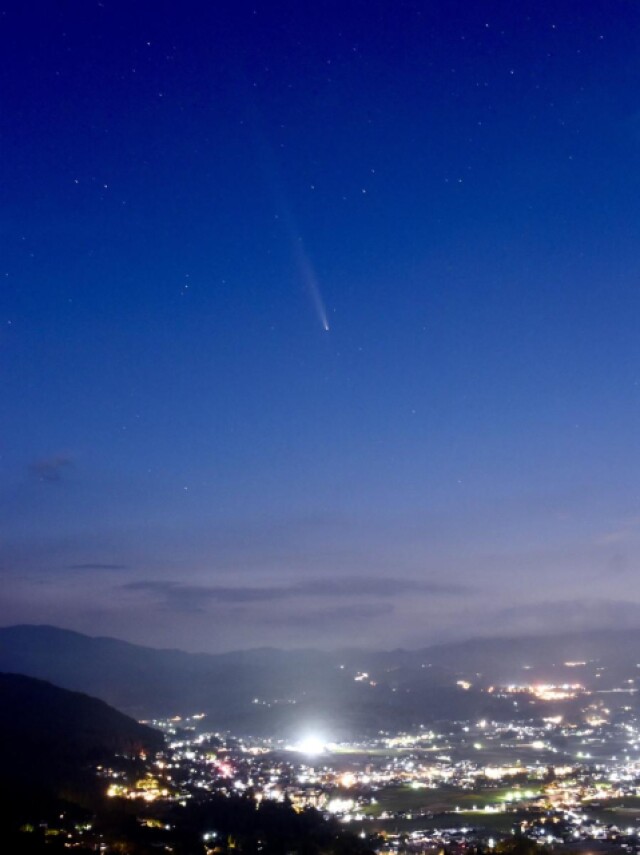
(453, 808)
(440, 800)
(497, 823)
(621, 812)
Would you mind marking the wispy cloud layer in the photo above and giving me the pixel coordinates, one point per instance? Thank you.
(97, 565)
(193, 597)
(50, 469)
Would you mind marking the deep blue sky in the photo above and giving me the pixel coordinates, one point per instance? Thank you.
(188, 457)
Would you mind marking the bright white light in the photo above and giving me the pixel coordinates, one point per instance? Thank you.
(340, 805)
(311, 745)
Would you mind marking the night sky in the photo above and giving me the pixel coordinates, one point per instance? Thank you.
(193, 192)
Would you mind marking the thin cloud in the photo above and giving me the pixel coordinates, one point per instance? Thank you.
(50, 469)
(97, 566)
(193, 597)
(581, 615)
(626, 529)
(375, 586)
(319, 618)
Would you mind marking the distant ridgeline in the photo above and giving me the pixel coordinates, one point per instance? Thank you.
(353, 692)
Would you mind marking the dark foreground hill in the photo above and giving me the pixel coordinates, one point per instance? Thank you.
(50, 736)
(51, 739)
(342, 692)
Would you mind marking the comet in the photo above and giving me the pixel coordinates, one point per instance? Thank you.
(301, 259)
(308, 276)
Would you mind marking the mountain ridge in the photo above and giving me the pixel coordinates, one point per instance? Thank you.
(470, 640)
(271, 690)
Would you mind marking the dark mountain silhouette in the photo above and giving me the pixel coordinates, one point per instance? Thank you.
(52, 727)
(51, 739)
(274, 691)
